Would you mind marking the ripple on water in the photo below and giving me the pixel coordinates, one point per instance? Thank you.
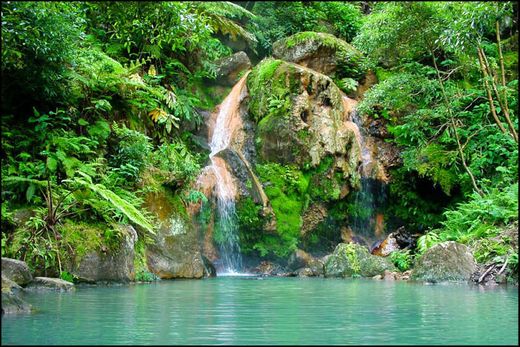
(241, 310)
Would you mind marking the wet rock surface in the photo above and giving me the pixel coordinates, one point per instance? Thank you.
(48, 283)
(11, 300)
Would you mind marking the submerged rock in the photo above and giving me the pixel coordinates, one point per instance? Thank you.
(446, 261)
(48, 283)
(16, 270)
(322, 52)
(354, 260)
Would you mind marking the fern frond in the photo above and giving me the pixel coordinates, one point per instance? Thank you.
(16, 179)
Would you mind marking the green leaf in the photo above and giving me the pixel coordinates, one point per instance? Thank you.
(82, 122)
(30, 192)
(52, 164)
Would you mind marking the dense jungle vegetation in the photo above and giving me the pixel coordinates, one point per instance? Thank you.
(101, 102)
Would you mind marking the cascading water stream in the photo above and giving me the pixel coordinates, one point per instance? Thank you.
(226, 123)
(366, 223)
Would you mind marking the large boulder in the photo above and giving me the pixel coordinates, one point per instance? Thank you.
(350, 259)
(301, 117)
(11, 302)
(175, 252)
(322, 52)
(16, 270)
(48, 283)
(109, 265)
(446, 261)
(229, 68)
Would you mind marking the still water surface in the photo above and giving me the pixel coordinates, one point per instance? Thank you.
(249, 310)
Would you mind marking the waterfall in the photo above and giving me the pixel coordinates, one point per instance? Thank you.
(366, 224)
(226, 123)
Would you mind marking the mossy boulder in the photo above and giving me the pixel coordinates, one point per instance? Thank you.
(350, 259)
(175, 252)
(322, 52)
(16, 270)
(301, 118)
(446, 261)
(97, 262)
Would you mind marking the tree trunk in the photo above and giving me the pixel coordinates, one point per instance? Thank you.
(454, 127)
(488, 91)
(505, 105)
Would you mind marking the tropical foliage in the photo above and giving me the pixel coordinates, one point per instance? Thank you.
(103, 103)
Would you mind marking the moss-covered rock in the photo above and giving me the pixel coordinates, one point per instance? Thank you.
(99, 252)
(301, 117)
(350, 259)
(285, 186)
(322, 52)
(109, 264)
(308, 154)
(175, 252)
(446, 261)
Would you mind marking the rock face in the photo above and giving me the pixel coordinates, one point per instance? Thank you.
(322, 52)
(314, 215)
(111, 265)
(446, 261)
(11, 303)
(386, 247)
(47, 283)
(229, 68)
(304, 264)
(352, 259)
(301, 117)
(16, 270)
(176, 250)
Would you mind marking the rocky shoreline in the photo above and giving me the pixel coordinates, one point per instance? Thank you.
(445, 262)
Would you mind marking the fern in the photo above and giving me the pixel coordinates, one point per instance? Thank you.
(117, 202)
(217, 13)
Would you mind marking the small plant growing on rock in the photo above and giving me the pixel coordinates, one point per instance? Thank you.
(402, 259)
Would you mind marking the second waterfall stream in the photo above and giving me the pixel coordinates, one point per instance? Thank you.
(223, 125)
